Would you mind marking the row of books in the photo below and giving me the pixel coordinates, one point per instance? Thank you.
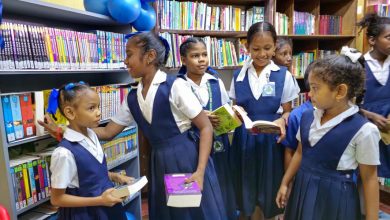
(302, 98)
(303, 23)
(30, 178)
(202, 16)
(37, 47)
(221, 52)
(384, 181)
(303, 59)
(331, 24)
(281, 23)
(380, 7)
(21, 111)
(120, 146)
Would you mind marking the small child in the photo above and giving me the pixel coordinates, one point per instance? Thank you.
(212, 94)
(334, 140)
(81, 184)
(283, 52)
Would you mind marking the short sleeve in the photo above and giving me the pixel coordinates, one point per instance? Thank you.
(123, 116)
(224, 96)
(63, 168)
(291, 132)
(367, 145)
(291, 88)
(232, 92)
(184, 100)
(298, 136)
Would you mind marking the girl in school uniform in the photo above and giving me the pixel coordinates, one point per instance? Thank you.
(376, 101)
(334, 140)
(283, 52)
(81, 184)
(260, 88)
(165, 108)
(211, 93)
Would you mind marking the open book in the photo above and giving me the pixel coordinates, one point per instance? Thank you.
(259, 126)
(127, 190)
(228, 119)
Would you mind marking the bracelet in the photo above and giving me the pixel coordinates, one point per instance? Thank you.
(59, 133)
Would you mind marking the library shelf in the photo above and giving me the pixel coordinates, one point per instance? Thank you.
(25, 209)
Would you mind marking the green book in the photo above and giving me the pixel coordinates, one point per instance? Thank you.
(228, 119)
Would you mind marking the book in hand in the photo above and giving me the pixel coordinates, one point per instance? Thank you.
(385, 134)
(130, 189)
(259, 126)
(228, 119)
(181, 194)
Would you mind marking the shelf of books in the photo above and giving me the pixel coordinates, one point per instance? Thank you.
(47, 46)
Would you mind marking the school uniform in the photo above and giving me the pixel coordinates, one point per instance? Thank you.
(164, 118)
(324, 187)
(257, 160)
(293, 124)
(79, 166)
(377, 99)
(212, 94)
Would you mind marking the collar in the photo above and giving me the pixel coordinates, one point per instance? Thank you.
(368, 57)
(206, 77)
(74, 136)
(159, 78)
(248, 66)
(336, 120)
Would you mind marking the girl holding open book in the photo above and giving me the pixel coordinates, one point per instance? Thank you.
(165, 109)
(260, 88)
(334, 140)
(211, 93)
(376, 103)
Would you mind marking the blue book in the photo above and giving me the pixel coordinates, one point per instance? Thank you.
(17, 116)
(8, 121)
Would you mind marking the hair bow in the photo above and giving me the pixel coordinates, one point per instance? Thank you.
(351, 53)
(70, 86)
(127, 36)
(53, 102)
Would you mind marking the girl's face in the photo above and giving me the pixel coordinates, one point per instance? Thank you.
(320, 93)
(382, 42)
(87, 111)
(283, 56)
(135, 61)
(261, 49)
(196, 59)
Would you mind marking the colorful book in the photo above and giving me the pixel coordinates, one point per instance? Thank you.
(228, 119)
(27, 114)
(181, 194)
(259, 126)
(8, 121)
(17, 116)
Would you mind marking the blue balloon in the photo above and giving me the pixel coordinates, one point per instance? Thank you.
(124, 11)
(97, 6)
(148, 0)
(147, 19)
(130, 216)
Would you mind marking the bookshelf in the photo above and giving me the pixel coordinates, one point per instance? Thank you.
(16, 81)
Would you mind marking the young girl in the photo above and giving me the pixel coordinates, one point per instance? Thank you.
(376, 100)
(283, 52)
(334, 140)
(81, 185)
(261, 87)
(165, 109)
(212, 94)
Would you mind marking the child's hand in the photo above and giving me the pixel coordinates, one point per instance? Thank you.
(213, 119)
(282, 124)
(198, 177)
(380, 121)
(281, 197)
(49, 125)
(108, 199)
(121, 179)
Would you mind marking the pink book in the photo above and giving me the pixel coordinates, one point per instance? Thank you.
(181, 194)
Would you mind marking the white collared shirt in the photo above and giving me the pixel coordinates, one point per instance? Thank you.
(202, 91)
(63, 165)
(183, 102)
(256, 83)
(363, 147)
(380, 72)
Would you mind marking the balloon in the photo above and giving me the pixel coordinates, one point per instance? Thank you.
(148, 0)
(130, 216)
(97, 6)
(147, 19)
(124, 11)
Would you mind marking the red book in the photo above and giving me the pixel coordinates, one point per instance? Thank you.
(27, 114)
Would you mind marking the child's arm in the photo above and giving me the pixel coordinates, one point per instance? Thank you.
(369, 177)
(61, 199)
(121, 179)
(377, 119)
(109, 131)
(281, 197)
(282, 121)
(206, 136)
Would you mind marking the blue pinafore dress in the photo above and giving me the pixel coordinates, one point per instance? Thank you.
(220, 157)
(257, 160)
(93, 181)
(320, 191)
(174, 152)
(377, 99)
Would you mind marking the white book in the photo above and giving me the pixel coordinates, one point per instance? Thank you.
(127, 190)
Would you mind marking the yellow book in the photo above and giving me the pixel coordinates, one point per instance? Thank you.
(228, 119)
(76, 4)
(26, 183)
